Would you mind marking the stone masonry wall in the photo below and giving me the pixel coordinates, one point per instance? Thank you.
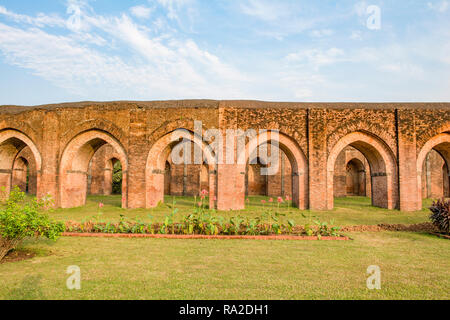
(393, 138)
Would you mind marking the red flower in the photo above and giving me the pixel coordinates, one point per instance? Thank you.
(271, 200)
(288, 198)
(101, 205)
(263, 201)
(200, 204)
(204, 192)
(280, 199)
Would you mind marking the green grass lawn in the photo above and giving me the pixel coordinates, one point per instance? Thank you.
(348, 211)
(413, 266)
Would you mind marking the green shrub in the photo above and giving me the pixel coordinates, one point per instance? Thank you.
(440, 216)
(21, 219)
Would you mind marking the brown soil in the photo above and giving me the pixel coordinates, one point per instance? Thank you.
(441, 235)
(421, 227)
(18, 255)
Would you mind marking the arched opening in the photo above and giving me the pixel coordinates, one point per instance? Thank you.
(255, 182)
(21, 174)
(116, 175)
(20, 162)
(186, 180)
(167, 178)
(351, 174)
(356, 178)
(432, 168)
(76, 165)
(163, 176)
(204, 178)
(382, 168)
(105, 173)
(446, 181)
(294, 175)
(434, 176)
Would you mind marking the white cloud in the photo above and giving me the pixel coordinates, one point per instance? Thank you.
(265, 10)
(161, 66)
(316, 57)
(40, 20)
(322, 33)
(283, 18)
(440, 7)
(142, 12)
(356, 35)
(174, 6)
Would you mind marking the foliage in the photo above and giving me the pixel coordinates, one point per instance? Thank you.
(20, 219)
(117, 178)
(202, 221)
(440, 216)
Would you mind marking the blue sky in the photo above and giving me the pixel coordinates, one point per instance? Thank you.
(287, 50)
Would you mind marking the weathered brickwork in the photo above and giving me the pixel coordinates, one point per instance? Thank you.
(378, 150)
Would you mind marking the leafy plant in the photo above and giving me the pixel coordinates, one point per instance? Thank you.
(440, 216)
(21, 219)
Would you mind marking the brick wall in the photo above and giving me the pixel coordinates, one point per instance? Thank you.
(63, 139)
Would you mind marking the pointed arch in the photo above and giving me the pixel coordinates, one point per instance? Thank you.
(12, 142)
(74, 164)
(296, 156)
(440, 143)
(156, 165)
(382, 166)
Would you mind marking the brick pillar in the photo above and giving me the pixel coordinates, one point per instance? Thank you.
(212, 186)
(340, 176)
(435, 175)
(97, 172)
(231, 187)
(230, 177)
(230, 184)
(177, 180)
(318, 184)
(19, 174)
(48, 177)
(137, 159)
(409, 193)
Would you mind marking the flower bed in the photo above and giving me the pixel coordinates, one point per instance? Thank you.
(204, 222)
(236, 230)
(198, 236)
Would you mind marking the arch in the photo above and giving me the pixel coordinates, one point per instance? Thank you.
(255, 183)
(93, 124)
(12, 142)
(112, 186)
(356, 177)
(20, 174)
(167, 178)
(445, 181)
(382, 164)
(297, 158)
(440, 143)
(74, 165)
(156, 164)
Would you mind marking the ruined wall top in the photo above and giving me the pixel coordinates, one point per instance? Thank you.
(214, 104)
